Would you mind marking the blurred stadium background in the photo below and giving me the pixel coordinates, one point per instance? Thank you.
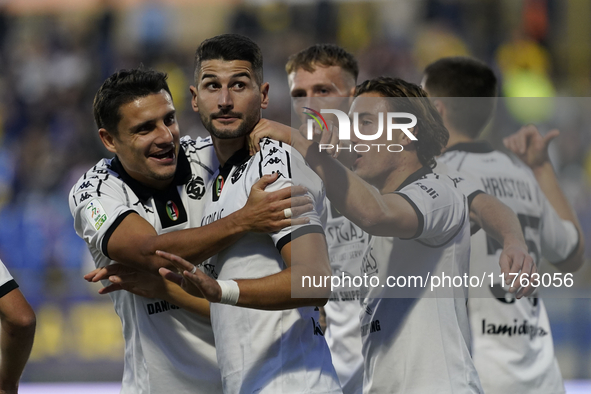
(54, 54)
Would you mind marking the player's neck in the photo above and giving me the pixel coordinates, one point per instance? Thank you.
(456, 138)
(403, 170)
(225, 148)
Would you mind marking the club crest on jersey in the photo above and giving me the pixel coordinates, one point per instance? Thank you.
(238, 173)
(219, 185)
(172, 210)
(96, 214)
(196, 188)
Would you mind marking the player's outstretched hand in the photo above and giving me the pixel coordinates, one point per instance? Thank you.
(517, 267)
(208, 287)
(530, 146)
(271, 211)
(123, 277)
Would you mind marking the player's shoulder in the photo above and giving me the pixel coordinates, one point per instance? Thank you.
(101, 172)
(433, 187)
(273, 156)
(191, 145)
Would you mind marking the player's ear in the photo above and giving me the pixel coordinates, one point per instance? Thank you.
(107, 139)
(405, 140)
(265, 95)
(193, 90)
(440, 107)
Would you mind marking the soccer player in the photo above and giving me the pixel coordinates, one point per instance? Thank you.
(420, 222)
(17, 321)
(266, 341)
(321, 73)
(150, 196)
(512, 342)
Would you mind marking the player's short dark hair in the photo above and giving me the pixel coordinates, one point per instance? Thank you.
(228, 47)
(455, 78)
(431, 134)
(324, 55)
(121, 88)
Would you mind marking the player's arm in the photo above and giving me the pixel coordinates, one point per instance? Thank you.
(18, 331)
(149, 285)
(500, 222)
(305, 257)
(532, 148)
(134, 241)
(377, 214)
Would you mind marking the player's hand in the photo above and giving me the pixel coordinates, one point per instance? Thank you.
(265, 211)
(516, 260)
(530, 146)
(271, 129)
(208, 287)
(122, 277)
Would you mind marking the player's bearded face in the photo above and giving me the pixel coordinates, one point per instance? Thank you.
(228, 98)
(245, 123)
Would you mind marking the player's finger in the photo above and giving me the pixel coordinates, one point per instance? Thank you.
(265, 181)
(334, 140)
(177, 261)
(287, 193)
(505, 266)
(109, 289)
(171, 276)
(89, 276)
(550, 136)
(300, 210)
(293, 202)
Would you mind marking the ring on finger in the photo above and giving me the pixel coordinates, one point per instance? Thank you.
(194, 269)
(287, 212)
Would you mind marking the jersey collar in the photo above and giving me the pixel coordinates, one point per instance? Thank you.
(472, 147)
(415, 176)
(143, 192)
(239, 157)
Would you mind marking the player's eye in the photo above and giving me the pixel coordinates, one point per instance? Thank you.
(169, 120)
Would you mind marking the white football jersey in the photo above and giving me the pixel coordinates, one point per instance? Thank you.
(266, 351)
(512, 342)
(167, 349)
(420, 344)
(7, 283)
(346, 246)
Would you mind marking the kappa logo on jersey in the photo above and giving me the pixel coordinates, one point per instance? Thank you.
(84, 185)
(85, 196)
(172, 210)
(238, 173)
(139, 202)
(96, 214)
(272, 151)
(196, 188)
(274, 160)
(209, 269)
(429, 190)
(316, 327)
(278, 172)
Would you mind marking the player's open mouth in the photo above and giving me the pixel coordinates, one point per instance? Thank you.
(164, 155)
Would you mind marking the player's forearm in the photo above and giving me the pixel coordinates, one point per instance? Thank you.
(497, 220)
(177, 296)
(352, 196)
(274, 292)
(551, 188)
(16, 342)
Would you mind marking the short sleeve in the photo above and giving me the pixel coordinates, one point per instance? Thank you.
(98, 206)
(7, 283)
(440, 208)
(275, 157)
(559, 238)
